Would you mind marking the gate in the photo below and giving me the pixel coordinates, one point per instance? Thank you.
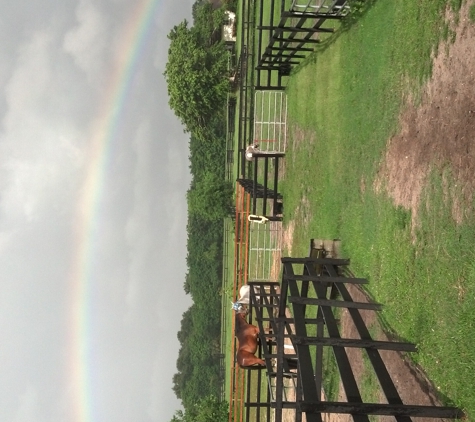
(270, 120)
(265, 248)
(288, 34)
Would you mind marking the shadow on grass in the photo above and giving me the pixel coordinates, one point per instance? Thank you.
(359, 8)
(426, 385)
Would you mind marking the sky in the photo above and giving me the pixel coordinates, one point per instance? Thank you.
(93, 178)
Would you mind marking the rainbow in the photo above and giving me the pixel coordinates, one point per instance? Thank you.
(104, 133)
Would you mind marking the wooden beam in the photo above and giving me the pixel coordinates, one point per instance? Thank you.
(382, 409)
(358, 343)
(330, 261)
(296, 29)
(335, 303)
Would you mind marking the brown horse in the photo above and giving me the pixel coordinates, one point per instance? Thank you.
(247, 338)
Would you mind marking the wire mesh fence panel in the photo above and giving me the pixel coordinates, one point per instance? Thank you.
(333, 7)
(270, 121)
(265, 251)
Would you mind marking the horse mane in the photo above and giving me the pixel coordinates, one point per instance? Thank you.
(238, 320)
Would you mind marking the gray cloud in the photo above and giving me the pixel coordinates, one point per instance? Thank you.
(88, 41)
(54, 59)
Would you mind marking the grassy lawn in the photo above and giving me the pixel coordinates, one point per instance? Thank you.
(343, 105)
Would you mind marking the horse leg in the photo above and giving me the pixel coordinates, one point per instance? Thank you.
(255, 361)
(246, 359)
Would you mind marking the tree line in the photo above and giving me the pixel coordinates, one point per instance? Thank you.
(196, 74)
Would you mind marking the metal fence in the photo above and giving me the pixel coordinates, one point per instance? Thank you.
(265, 251)
(270, 120)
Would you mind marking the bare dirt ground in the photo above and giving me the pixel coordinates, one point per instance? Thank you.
(440, 131)
(437, 133)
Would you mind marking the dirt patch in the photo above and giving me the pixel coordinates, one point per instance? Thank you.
(287, 236)
(438, 133)
(299, 137)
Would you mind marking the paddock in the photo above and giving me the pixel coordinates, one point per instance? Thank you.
(273, 78)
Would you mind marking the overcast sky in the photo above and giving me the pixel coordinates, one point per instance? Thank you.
(92, 241)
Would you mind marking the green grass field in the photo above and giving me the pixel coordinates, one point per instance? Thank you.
(343, 105)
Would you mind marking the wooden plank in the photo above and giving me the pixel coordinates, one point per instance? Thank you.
(257, 404)
(284, 290)
(295, 40)
(305, 370)
(268, 154)
(292, 55)
(313, 15)
(382, 409)
(291, 49)
(266, 171)
(296, 29)
(254, 188)
(385, 380)
(328, 279)
(335, 303)
(280, 331)
(327, 261)
(346, 372)
(320, 323)
(271, 284)
(280, 371)
(307, 320)
(358, 343)
(276, 186)
(319, 353)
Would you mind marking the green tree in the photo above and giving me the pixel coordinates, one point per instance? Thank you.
(208, 409)
(186, 325)
(196, 77)
(207, 21)
(196, 74)
(211, 197)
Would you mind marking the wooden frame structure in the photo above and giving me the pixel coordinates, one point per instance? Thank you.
(291, 37)
(301, 312)
(262, 191)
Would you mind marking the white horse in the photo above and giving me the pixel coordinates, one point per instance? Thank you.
(244, 294)
(244, 298)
